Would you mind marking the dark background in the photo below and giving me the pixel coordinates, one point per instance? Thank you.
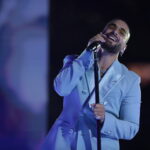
(74, 22)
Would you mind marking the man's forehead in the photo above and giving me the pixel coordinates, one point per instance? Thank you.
(119, 23)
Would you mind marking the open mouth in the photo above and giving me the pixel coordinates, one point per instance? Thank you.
(112, 38)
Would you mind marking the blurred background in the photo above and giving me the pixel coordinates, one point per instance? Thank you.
(23, 73)
(35, 36)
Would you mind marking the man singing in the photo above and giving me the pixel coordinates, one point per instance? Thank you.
(120, 96)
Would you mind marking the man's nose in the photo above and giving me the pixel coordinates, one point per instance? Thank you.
(115, 32)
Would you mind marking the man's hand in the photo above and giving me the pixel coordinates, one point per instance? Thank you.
(99, 37)
(99, 111)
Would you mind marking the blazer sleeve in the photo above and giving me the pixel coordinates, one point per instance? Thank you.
(73, 69)
(127, 124)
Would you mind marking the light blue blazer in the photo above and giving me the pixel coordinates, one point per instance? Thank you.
(75, 128)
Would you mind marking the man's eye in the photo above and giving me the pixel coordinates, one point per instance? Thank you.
(122, 33)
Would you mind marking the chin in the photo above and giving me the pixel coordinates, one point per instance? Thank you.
(113, 49)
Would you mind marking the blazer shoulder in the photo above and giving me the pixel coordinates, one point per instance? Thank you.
(130, 74)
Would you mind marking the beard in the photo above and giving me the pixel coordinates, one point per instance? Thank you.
(113, 49)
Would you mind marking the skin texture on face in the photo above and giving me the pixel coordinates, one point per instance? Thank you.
(116, 34)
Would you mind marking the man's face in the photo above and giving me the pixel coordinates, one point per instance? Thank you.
(116, 35)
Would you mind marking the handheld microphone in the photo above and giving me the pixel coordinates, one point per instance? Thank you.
(93, 46)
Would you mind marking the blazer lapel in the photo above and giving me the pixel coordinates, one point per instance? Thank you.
(110, 79)
(106, 84)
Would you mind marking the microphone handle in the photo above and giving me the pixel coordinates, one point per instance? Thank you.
(93, 46)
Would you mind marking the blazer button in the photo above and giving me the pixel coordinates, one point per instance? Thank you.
(84, 92)
(109, 132)
(105, 102)
(71, 131)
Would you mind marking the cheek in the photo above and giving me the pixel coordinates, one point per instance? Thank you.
(122, 43)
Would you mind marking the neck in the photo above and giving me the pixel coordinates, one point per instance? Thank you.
(106, 61)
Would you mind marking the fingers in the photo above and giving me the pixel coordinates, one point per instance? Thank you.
(99, 111)
(103, 35)
(98, 37)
